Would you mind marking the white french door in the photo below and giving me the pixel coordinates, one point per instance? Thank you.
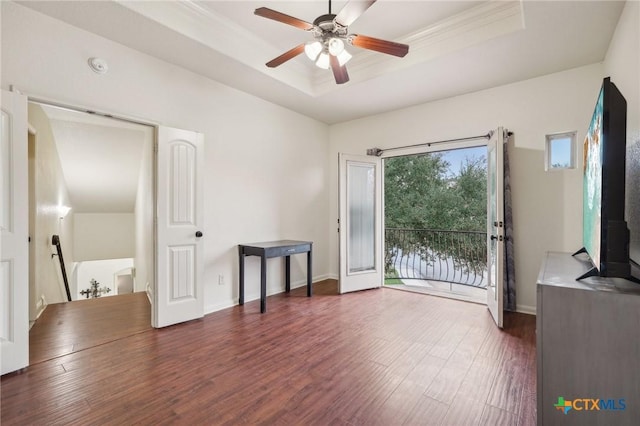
(14, 266)
(360, 222)
(495, 225)
(179, 286)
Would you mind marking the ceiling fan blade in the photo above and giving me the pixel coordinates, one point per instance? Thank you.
(265, 12)
(289, 54)
(339, 72)
(352, 11)
(383, 46)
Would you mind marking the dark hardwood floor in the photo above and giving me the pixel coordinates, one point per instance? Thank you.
(381, 356)
(64, 328)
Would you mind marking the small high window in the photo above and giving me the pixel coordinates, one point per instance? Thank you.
(560, 151)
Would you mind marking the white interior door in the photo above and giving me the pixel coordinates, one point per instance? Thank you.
(360, 222)
(495, 225)
(14, 250)
(179, 288)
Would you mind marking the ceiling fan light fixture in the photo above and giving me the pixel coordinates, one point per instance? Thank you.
(344, 57)
(312, 49)
(331, 32)
(336, 46)
(323, 61)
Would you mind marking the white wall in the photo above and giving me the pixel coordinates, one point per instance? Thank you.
(266, 166)
(547, 206)
(50, 193)
(144, 248)
(103, 272)
(100, 236)
(622, 64)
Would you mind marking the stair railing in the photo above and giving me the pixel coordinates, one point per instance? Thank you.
(55, 240)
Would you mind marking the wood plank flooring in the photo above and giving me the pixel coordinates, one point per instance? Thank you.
(64, 328)
(381, 356)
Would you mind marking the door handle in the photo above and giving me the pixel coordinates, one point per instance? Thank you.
(495, 237)
(198, 234)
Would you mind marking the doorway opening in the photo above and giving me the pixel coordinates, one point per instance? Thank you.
(435, 211)
(173, 198)
(91, 185)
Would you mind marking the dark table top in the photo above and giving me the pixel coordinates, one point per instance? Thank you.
(279, 243)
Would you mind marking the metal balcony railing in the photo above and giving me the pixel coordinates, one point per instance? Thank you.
(458, 257)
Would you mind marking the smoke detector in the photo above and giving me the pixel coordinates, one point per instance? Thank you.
(98, 65)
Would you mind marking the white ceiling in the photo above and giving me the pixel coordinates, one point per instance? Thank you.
(100, 159)
(456, 47)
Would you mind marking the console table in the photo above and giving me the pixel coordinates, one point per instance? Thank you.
(588, 345)
(269, 249)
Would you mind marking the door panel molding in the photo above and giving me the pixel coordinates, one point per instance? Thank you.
(179, 292)
(14, 249)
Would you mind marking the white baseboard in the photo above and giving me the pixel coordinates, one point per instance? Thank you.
(316, 279)
(41, 305)
(149, 292)
(219, 306)
(256, 296)
(523, 309)
(526, 309)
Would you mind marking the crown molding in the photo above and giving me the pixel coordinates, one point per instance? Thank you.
(217, 32)
(473, 26)
(470, 27)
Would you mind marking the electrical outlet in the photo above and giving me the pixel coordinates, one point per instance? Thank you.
(220, 279)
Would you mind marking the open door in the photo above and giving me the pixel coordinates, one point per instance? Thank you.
(179, 288)
(495, 225)
(14, 251)
(360, 222)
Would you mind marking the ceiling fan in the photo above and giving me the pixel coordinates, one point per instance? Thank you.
(330, 33)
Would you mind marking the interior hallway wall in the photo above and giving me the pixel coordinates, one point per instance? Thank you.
(144, 247)
(101, 236)
(50, 194)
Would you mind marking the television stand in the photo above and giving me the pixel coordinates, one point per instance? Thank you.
(588, 345)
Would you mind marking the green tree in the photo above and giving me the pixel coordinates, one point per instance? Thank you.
(470, 191)
(422, 194)
(416, 193)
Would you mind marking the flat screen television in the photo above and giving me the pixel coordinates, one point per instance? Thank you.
(605, 235)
